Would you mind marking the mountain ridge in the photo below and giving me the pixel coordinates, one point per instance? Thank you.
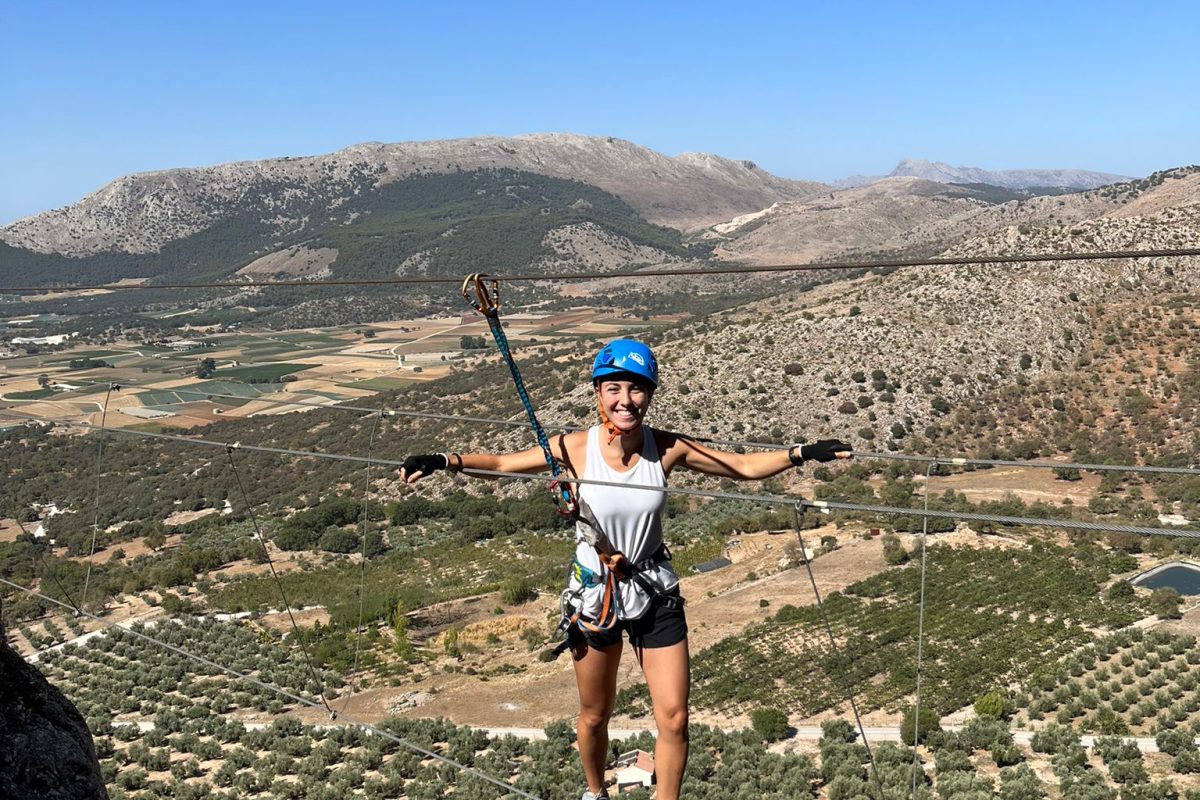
(143, 212)
(912, 216)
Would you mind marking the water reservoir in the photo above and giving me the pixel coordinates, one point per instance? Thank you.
(1183, 578)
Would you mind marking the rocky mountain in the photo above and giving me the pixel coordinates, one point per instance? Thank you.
(143, 213)
(432, 223)
(915, 217)
(1038, 180)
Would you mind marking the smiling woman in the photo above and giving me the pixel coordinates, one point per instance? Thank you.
(621, 579)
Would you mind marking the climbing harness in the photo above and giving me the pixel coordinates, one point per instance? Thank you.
(573, 620)
(483, 293)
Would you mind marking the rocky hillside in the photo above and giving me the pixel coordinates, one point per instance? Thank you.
(911, 216)
(143, 213)
(46, 749)
(448, 223)
(1030, 179)
(968, 359)
(882, 216)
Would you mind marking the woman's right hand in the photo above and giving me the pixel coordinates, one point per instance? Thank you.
(416, 467)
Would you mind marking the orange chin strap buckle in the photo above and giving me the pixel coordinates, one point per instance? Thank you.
(612, 430)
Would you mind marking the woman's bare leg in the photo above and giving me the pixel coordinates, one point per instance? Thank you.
(668, 677)
(596, 679)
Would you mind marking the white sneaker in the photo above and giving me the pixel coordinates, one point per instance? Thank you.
(602, 796)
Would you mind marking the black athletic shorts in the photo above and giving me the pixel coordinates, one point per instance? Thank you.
(661, 626)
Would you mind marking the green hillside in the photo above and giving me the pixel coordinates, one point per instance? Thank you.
(494, 219)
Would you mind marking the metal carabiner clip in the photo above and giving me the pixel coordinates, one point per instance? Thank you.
(487, 293)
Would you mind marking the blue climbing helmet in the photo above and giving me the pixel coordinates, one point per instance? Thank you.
(628, 356)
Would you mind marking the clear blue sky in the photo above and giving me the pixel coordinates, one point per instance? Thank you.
(92, 91)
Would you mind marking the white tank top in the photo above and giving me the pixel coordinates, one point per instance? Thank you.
(632, 520)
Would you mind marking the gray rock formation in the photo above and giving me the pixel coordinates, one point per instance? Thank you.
(141, 213)
(46, 750)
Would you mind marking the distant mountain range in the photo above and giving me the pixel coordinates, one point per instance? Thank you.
(142, 213)
(550, 202)
(1028, 179)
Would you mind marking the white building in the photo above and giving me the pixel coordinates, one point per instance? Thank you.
(58, 338)
(636, 770)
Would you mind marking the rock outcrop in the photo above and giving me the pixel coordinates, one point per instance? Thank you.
(46, 750)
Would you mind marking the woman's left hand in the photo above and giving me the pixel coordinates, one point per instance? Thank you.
(416, 467)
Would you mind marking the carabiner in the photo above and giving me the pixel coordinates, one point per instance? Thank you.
(487, 293)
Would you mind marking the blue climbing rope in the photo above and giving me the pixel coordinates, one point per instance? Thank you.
(487, 302)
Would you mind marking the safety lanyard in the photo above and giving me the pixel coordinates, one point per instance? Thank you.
(487, 303)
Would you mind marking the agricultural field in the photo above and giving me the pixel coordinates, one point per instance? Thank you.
(992, 615)
(332, 364)
(166, 726)
(1129, 682)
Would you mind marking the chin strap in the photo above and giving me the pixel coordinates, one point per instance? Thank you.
(612, 430)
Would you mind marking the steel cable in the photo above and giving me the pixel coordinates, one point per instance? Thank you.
(96, 509)
(680, 490)
(262, 540)
(45, 566)
(1068, 524)
(733, 269)
(798, 518)
(362, 571)
(997, 462)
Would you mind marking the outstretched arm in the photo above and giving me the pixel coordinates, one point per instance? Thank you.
(690, 454)
(529, 461)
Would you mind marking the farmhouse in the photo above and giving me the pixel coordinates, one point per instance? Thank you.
(635, 770)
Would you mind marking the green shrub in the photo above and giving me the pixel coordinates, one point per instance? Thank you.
(990, 704)
(338, 540)
(516, 591)
(769, 723)
(912, 733)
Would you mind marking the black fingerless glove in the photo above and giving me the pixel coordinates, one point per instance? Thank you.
(426, 465)
(822, 450)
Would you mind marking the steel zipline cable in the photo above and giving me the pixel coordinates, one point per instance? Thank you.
(797, 517)
(262, 540)
(732, 269)
(362, 567)
(772, 499)
(297, 698)
(956, 461)
(96, 507)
